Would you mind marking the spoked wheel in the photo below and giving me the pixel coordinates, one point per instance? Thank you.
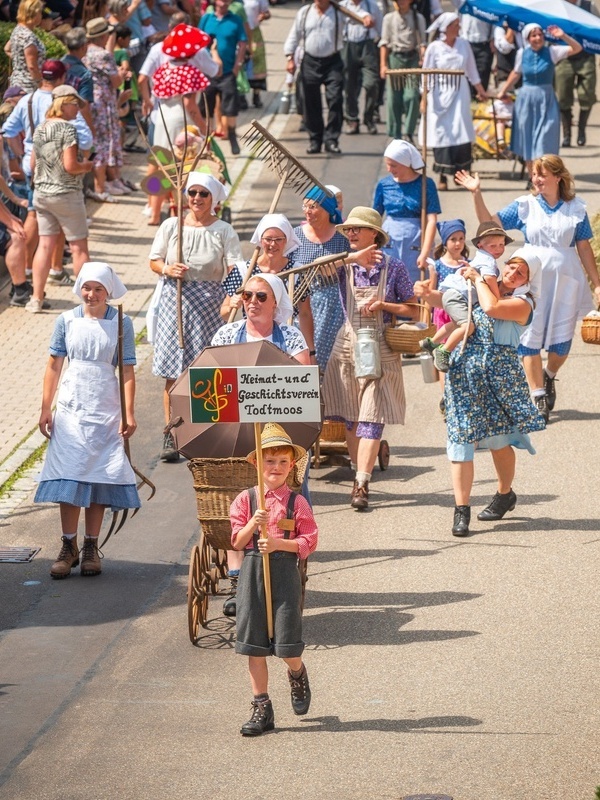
(198, 588)
(384, 455)
(214, 580)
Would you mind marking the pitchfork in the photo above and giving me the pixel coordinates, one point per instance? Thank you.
(116, 524)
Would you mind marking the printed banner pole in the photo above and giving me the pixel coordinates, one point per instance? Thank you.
(263, 530)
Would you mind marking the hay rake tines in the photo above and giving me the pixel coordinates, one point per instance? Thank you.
(320, 274)
(414, 78)
(265, 147)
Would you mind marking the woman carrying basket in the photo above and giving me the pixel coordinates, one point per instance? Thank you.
(370, 294)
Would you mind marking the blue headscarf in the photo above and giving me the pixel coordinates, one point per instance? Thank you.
(328, 203)
(446, 229)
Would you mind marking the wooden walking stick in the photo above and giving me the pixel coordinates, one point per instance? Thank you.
(177, 177)
(116, 525)
(263, 530)
(427, 79)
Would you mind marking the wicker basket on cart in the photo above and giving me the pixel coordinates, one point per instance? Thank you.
(217, 482)
(590, 328)
(404, 337)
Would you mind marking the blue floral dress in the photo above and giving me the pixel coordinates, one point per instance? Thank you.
(486, 394)
(327, 311)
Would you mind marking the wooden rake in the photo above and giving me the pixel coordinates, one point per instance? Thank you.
(425, 79)
(177, 177)
(290, 171)
(120, 517)
(320, 273)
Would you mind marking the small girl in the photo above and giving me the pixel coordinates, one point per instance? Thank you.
(86, 465)
(449, 256)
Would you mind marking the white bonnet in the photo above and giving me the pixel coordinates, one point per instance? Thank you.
(218, 191)
(282, 223)
(284, 309)
(102, 273)
(404, 153)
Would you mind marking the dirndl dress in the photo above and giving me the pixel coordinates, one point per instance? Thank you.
(86, 461)
(486, 392)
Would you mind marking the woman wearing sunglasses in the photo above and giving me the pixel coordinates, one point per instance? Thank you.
(370, 292)
(277, 241)
(267, 308)
(210, 249)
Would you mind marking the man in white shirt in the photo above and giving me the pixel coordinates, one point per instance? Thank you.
(318, 32)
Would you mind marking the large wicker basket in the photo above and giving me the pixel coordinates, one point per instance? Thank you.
(403, 337)
(590, 328)
(217, 482)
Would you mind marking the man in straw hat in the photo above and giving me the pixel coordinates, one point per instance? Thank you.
(291, 535)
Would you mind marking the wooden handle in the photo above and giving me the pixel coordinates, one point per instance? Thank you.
(263, 529)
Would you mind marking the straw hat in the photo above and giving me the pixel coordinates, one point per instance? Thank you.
(490, 228)
(97, 27)
(273, 435)
(365, 217)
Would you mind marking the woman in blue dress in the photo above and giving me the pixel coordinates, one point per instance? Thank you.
(320, 314)
(399, 197)
(536, 118)
(487, 399)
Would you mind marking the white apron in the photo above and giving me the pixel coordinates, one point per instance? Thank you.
(564, 292)
(85, 445)
(360, 399)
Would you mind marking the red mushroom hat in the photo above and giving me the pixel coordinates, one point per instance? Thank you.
(184, 41)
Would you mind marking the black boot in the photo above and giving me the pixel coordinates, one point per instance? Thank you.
(262, 719)
(233, 142)
(567, 121)
(462, 517)
(584, 115)
(300, 692)
(230, 605)
(501, 503)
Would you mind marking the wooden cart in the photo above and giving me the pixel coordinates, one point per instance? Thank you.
(217, 481)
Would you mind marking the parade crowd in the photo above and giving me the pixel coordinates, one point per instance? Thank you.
(503, 326)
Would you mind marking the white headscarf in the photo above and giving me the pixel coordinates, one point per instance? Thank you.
(404, 153)
(531, 26)
(441, 23)
(215, 187)
(527, 253)
(102, 273)
(284, 308)
(282, 223)
(333, 189)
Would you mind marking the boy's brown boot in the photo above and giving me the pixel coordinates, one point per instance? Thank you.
(300, 692)
(90, 557)
(66, 559)
(262, 719)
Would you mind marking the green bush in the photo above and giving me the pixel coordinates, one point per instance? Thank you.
(54, 49)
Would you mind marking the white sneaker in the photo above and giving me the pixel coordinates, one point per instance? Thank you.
(102, 197)
(121, 185)
(147, 211)
(34, 306)
(113, 188)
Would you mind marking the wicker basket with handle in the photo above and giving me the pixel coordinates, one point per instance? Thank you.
(590, 328)
(404, 337)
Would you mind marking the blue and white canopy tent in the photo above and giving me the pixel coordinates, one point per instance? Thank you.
(580, 24)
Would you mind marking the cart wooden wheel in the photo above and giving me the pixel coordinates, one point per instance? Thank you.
(214, 579)
(198, 588)
(384, 455)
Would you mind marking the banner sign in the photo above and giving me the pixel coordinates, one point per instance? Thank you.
(254, 394)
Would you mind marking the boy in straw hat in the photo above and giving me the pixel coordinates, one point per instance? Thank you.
(292, 535)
